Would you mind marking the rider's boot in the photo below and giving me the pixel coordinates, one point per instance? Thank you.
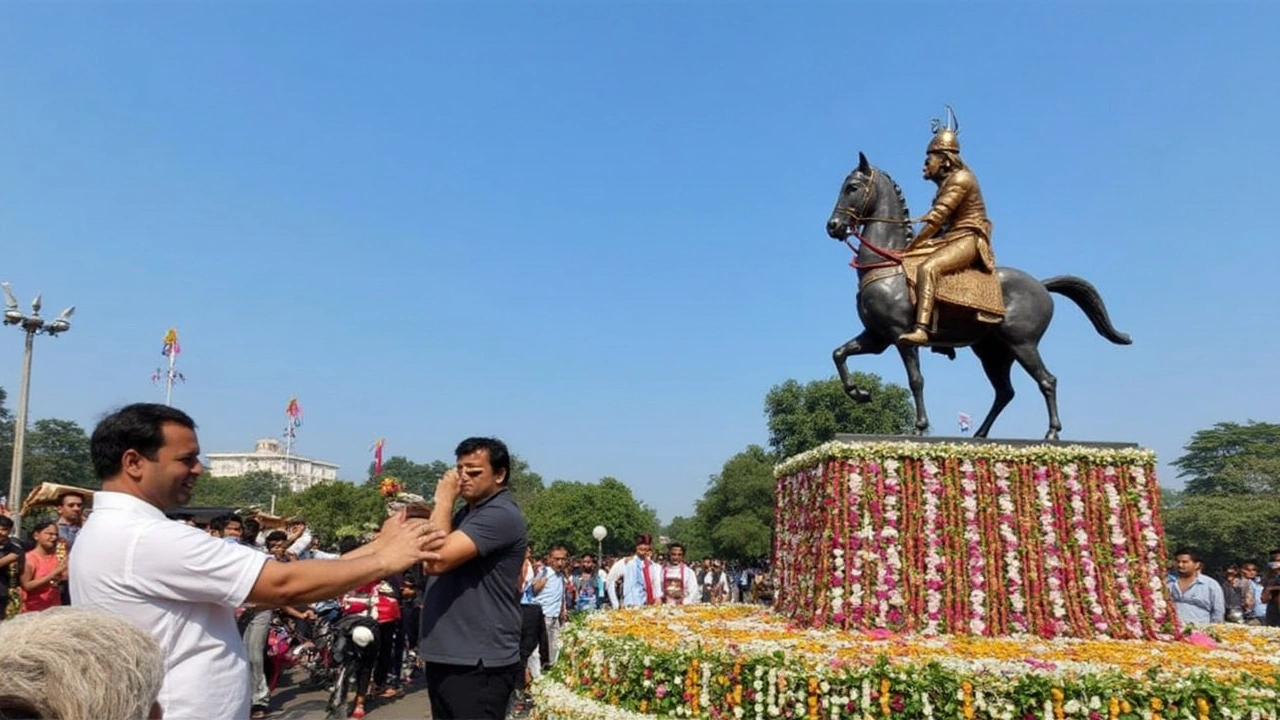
(924, 313)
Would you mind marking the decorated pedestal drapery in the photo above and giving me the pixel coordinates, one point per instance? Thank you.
(976, 539)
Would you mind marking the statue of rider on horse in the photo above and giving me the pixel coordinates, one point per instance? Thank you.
(941, 288)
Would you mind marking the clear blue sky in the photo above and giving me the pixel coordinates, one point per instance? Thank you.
(596, 229)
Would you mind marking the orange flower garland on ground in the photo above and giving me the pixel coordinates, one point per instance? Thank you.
(758, 663)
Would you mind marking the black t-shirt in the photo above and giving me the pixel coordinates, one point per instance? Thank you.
(472, 613)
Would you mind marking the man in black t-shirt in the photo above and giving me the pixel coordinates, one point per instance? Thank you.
(12, 562)
(471, 609)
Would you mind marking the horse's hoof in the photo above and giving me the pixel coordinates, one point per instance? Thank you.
(858, 396)
(1051, 435)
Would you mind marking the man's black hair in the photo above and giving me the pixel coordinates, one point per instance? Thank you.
(499, 457)
(138, 427)
(1190, 552)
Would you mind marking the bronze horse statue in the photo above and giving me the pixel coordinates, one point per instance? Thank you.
(871, 208)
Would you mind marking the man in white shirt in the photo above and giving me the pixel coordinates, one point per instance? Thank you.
(182, 585)
(641, 577)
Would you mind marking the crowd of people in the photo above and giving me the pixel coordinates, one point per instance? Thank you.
(204, 599)
(1243, 594)
(557, 584)
(223, 600)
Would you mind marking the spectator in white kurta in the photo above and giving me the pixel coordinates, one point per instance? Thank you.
(182, 585)
(679, 581)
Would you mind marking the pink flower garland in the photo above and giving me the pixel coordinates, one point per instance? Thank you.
(971, 546)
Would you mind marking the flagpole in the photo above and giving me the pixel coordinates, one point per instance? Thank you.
(168, 385)
(288, 445)
(293, 412)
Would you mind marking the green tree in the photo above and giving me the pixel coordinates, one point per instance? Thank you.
(689, 532)
(802, 417)
(567, 512)
(58, 452)
(1231, 459)
(525, 483)
(1225, 528)
(252, 489)
(736, 511)
(332, 509)
(417, 478)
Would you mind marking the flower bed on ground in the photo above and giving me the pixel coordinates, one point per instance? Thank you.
(968, 538)
(739, 661)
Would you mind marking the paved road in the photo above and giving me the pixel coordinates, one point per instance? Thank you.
(300, 704)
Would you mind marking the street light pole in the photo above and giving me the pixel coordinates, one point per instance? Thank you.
(20, 436)
(599, 533)
(31, 325)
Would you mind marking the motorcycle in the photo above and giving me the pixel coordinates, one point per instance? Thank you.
(353, 651)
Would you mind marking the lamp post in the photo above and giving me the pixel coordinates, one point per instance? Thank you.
(599, 533)
(32, 325)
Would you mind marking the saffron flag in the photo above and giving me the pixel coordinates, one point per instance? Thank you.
(377, 456)
(171, 346)
(966, 422)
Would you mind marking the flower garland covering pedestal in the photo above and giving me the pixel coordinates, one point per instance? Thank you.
(972, 538)
(744, 662)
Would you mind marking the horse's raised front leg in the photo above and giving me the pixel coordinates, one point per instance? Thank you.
(911, 361)
(1028, 355)
(864, 344)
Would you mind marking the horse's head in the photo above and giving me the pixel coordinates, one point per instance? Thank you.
(857, 200)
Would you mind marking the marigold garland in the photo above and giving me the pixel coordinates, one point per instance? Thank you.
(745, 663)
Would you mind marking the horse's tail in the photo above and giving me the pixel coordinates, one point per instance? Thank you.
(1086, 296)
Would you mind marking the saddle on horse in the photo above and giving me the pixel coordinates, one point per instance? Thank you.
(974, 288)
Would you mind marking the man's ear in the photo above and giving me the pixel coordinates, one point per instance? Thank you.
(131, 463)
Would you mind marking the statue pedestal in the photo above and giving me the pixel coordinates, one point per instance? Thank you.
(984, 538)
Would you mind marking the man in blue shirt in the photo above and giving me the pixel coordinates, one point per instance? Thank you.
(548, 589)
(1197, 599)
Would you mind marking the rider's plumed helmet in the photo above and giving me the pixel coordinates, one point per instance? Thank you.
(945, 135)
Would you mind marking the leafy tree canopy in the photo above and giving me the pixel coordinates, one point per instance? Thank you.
(253, 489)
(1231, 458)
(567, 512)
(692, 534)
(336, 508)
(58, 452)
(802, 417)
(736, 512)
(1225, 528)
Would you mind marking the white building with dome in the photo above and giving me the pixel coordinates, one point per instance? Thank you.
(269, 456)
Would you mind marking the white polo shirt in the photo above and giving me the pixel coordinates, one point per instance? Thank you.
(180, 584)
